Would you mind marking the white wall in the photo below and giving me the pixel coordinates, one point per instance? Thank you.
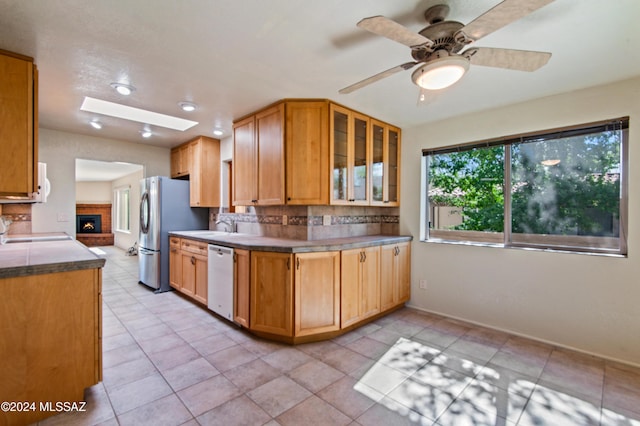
(93, 193)
(124, 240)
(60, 150)
(589, 303)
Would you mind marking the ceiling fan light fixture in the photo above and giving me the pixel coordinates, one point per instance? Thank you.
(440, 73)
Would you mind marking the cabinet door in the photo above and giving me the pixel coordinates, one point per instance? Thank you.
(385, 164)
(201, 281)
(395, 275)
(349, 146)
(317, 293)
(188, 284)
(271, 293)
(175, 263)
(370, 293)
(270, 143)
(204, 176)
(244, 163)
(175, 162)
(307, 153)
(18, 125)
(241, 286)
(351, 284)
(360, 284)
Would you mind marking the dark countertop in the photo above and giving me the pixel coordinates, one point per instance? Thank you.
(32, 254)
(284, 245)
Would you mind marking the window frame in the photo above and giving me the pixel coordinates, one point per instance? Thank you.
(119, 205)
(564, 243)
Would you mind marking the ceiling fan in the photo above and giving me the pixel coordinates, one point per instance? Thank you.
(438, 47)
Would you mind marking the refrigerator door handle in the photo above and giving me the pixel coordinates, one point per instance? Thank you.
(144, 213)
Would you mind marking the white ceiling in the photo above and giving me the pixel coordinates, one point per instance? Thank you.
(234, 56)
(94, 171)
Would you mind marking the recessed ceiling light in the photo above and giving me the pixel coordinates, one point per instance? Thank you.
(96, 124)
(135, 114)
(146, 133)
(187, 106)
(218, 132)
(123, 89)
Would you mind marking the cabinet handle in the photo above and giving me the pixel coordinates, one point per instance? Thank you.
(364, 257)
(297, 263)
(193, 260)
(254, 201)
(288, 263)
(235, 257)
(361, 257)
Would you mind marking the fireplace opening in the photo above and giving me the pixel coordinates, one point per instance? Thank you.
(88, 224)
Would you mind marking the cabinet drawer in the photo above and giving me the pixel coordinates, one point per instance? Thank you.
(174, 242)
(195, 247)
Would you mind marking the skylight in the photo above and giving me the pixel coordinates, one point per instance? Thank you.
(135, 114)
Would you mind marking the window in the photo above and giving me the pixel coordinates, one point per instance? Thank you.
(563, 189)
(122, 209)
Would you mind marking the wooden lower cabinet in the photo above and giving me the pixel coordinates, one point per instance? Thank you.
(241, 287)
(50, 340)
(317, 293)
(360, 298)
(188, 267)
(271, 293)
(395, 275)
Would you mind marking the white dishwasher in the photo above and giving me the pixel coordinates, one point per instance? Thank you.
(220, 281)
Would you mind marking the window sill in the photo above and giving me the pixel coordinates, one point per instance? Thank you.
(539, 249)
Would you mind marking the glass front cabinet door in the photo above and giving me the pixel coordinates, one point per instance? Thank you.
(350, 147)
(385, 164)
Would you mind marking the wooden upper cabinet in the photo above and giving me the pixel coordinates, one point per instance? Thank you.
(307, 152)
(258, 156)
(199, 161)
(326, 151)
(18, 124)
(385, 164)
(349, 155)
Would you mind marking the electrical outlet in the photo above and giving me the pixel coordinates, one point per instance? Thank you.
(326, 220)
(285, 219)
(423, 284)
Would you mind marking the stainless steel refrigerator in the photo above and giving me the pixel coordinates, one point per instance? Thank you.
(164, 207)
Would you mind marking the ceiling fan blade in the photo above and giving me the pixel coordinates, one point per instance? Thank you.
(377, 77)
(502, 14)
(519, 60)
(393, 31)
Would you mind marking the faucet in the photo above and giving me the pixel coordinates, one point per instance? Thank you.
(4, 228)
(231, 225)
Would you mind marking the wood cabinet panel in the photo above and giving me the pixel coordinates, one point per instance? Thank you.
(49, 352)
(307, 152)
(360, 285)
(271, 293)
(242, 284)
(244, 163)
(175, 263)
(385, 164)
(18, 124)
(395, 275)
(270, 156)
(198, 161)
(317, 293)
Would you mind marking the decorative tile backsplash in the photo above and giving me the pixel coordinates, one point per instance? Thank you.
(312, 222)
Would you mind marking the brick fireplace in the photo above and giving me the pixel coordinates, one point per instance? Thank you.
(99, 216)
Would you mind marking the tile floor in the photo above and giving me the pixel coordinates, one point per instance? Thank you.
(169, 362)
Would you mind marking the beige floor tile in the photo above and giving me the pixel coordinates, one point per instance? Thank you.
(208, 394)
(315, 375)
(278, 395)
(252, 374)
(240, 411)
(173, 357)
(287, 358)
(135, 394)
(127, 372)
(368, 347)
(391, 413)
(313, 411)
(214, 343)
(164, 411)
(229, 358)
(345, 360)
(343, 395)
(189, 373)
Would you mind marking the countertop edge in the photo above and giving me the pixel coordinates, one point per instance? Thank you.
(51, 268)
(295, 246)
